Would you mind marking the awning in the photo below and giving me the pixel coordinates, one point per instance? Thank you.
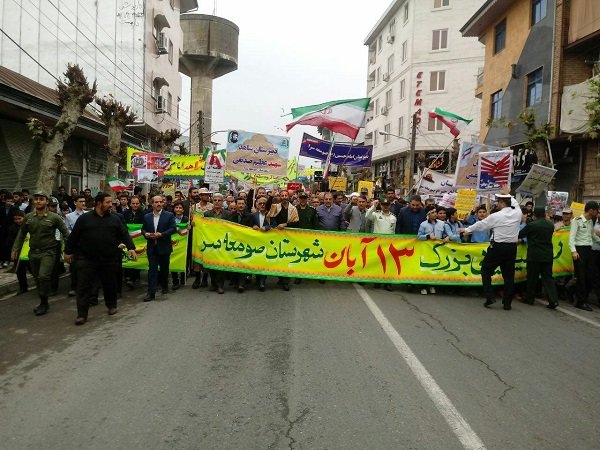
(159, 80)
(160, 20)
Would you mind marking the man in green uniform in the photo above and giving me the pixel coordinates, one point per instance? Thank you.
(41, 225)
(540, 255)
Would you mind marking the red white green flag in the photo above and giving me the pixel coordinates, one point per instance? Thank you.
(453, 121)
(116, 184)
(341, 116)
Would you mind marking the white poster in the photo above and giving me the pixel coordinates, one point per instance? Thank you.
(436, 183)
(494, 170)
(537, 180)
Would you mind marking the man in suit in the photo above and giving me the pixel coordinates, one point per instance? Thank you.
(261, 221)
(157, 228)
(238, 214)
(540, 255)
(355, 214)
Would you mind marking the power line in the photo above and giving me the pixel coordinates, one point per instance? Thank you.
(110, 76)
(96, 110)
(143, 83)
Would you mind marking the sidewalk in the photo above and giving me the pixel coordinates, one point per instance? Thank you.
(9, 283)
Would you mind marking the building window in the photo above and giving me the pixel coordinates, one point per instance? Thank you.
(401, 126)
(392, 29)
(437, 81)
(496, 105)
(169, 103)
(402, 89)
(387, 130)
(500, 36)
(539, 8)
(390, 64)
(404, 50)
(534, 87)
(441, 3)
(379, 43)
(376, 107)
(435, 125)
(406, 12)
(378, 77)
(388, 99)
(440, 40)
(170, 51)
(375, 133)
(178, 101)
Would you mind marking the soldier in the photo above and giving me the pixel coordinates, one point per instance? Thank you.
(41, 225)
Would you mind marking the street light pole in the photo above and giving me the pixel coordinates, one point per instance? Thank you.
(413, 139)
(411, 155)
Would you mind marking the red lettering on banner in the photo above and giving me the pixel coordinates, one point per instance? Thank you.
(397, 254)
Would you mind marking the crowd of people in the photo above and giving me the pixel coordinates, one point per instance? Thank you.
(94, 235)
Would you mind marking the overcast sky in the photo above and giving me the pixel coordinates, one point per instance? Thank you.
(291, 53)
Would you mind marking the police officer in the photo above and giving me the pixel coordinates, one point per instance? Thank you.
(41, 225)
(503, 247)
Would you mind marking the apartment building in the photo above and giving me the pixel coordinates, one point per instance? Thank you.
(418, 61)
(539, 55)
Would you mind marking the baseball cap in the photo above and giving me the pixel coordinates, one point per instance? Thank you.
(302, 194)
(52, 201)
(40, 194)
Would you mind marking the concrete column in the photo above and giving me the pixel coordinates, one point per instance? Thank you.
(201, 100)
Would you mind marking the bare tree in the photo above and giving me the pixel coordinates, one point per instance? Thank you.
(166, 139)
(116, 116)
(74, 94)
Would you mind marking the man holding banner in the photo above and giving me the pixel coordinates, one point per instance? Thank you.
(95, 244)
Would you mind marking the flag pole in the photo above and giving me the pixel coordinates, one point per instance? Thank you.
(328, 160)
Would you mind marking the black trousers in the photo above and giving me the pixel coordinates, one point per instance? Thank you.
(501, 255)
(217, 277)
(158, 272)
(584, 272)
(535, 270)
(88, 271)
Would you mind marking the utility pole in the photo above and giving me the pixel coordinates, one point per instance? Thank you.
(411, 157)
(200, 131)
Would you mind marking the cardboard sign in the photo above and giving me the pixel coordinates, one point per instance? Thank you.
(337, 183)
(368, 185)
(465, 202)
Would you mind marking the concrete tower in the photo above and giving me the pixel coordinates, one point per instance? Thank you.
(210, 50)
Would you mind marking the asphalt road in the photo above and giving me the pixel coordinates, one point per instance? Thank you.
(309, 368)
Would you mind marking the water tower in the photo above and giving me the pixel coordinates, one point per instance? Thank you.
(210, 50)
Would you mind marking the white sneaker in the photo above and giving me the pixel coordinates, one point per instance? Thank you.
(423, 291)
(432, 290)
(4, 264)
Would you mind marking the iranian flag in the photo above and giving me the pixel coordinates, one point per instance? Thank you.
(116, 184)
(453, 121)
(342, 116)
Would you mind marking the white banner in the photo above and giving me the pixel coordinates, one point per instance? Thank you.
(436, 183)
(214, 166)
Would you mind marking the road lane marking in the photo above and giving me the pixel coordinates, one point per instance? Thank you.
(572, 314)
(455, 420)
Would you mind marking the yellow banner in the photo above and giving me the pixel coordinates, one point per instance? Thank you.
(351, 256)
